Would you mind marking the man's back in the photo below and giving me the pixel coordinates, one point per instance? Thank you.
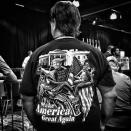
(69, 102)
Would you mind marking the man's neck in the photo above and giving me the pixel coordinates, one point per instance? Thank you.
(57, 34)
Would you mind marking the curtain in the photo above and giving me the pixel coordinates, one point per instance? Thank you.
(20, 34)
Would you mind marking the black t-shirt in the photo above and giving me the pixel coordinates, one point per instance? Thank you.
(72, 101)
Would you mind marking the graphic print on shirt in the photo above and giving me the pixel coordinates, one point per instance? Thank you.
(65, 86)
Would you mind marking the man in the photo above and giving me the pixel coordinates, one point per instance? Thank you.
(59, 72)
(10, 78)
(121, 118)
(6, 70)
(68, 107)
(117, 52)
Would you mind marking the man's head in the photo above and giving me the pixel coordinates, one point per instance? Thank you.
(65, 17)
(117, 52)
(110, 47)
(57, 62)
(29, 53)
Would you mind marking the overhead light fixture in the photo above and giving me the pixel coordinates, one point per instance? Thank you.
(115, 15)
(76, 3)
(94, 21)
(19, 5)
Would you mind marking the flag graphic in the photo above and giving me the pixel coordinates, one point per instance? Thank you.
(86, 96)
(75, 68)
(86, 93)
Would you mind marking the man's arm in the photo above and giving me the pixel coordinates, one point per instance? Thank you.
(7, 71)
(108, 103)
(29, 108)
(11, 76)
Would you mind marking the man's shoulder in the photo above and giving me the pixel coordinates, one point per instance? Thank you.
(43, 47)
(121, 77)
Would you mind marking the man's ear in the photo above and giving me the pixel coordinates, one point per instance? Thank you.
(53, 25)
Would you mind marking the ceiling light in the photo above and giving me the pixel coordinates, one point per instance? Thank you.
(94, 21)
(76, 3)
(113, 16)
(19, 5)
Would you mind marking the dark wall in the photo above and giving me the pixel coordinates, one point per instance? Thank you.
(21, 30)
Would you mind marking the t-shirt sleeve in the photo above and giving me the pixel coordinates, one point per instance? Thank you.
(106, 77)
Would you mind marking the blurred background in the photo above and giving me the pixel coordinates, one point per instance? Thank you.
(24, 25)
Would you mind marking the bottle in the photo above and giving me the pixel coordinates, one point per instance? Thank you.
(92, 41)
(87, 40)
(83, 39)
(96, 46)
(99, 47)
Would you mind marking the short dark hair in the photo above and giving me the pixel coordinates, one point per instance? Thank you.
(67, 17)
(110, 47)
(29, 52)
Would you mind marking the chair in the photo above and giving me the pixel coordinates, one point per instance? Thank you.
(5, 101)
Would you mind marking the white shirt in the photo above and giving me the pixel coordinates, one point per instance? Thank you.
(25, 61)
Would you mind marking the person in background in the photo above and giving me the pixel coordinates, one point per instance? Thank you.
(26, 59)
(116, 52)
(69, 108)
(121, 118)
(109, 51)
(6, 71)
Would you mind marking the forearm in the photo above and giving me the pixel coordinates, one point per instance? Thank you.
(29, 108)
(11, 77)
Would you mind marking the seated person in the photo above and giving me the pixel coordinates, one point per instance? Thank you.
(121, 118)
(6, 71)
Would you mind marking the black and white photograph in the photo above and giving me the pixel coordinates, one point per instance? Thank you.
(65, 65)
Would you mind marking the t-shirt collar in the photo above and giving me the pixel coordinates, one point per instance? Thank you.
(62, 37)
